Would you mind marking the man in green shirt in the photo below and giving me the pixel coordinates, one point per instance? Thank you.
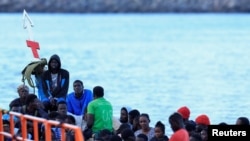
(99, 112)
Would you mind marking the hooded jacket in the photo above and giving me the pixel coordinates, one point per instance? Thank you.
(62, 81)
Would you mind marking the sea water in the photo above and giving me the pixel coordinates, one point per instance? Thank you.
(155, 63)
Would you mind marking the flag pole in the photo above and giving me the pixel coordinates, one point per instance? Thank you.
(28, 24)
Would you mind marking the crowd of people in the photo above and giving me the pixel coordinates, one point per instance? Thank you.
(93, 113)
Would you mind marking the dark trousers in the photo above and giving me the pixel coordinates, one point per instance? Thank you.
(49, 107)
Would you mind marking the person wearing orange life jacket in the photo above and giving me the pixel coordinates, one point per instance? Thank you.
(178, 127)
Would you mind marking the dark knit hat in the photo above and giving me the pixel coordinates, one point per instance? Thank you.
(184, 111)
(202, 119)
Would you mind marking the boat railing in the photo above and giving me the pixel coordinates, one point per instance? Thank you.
(48, 124)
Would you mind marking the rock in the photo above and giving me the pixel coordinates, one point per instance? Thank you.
(124, 6)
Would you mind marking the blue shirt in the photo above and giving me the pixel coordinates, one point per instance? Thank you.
(77, 106)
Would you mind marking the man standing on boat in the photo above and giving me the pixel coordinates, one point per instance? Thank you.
(55, 82)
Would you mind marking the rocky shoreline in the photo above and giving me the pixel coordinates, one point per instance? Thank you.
(124, 6)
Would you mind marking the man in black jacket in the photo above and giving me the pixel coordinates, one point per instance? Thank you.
(55, 83)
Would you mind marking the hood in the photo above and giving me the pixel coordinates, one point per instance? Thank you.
(57, 58)
(127, 108)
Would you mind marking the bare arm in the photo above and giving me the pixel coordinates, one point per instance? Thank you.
(90, 120)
